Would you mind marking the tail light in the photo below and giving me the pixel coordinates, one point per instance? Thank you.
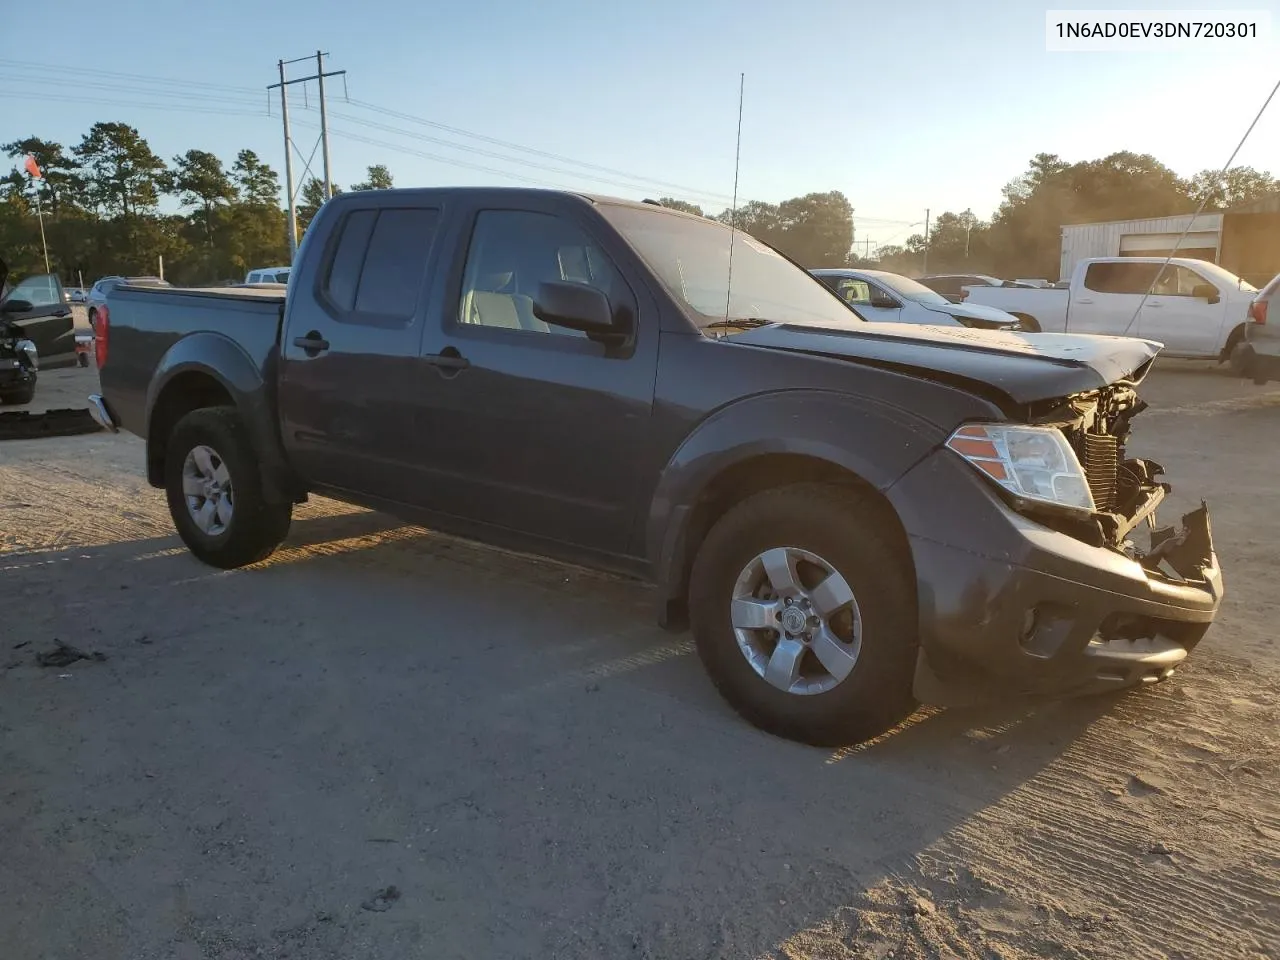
(1258, 311)
(101, 333)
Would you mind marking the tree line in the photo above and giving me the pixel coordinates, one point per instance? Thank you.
(102, 212)
(100, 200)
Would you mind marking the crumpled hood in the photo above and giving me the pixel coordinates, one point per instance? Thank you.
(1026, 367)
(974, 311)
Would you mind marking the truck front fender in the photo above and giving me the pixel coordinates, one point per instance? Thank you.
(867, 440)
(206, 369)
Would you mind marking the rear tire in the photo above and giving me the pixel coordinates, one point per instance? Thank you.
(851, 537)
(214, 489)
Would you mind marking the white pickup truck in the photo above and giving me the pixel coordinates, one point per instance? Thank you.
(1197, 309)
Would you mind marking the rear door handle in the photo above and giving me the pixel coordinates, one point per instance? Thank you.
(1152, 306)
(447, 359)
(312, 343)
(1084, 301)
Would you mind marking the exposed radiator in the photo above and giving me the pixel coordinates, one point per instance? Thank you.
(1101, 464)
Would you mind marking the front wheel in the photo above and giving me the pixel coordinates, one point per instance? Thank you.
(804, 614)
(215, 494)
(1028, 324)
(24, 395)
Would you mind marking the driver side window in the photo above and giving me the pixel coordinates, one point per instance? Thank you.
(38, 291)
(511, 252)
(856, 293)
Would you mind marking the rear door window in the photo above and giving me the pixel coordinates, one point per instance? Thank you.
(378, 265)
(1119, 277)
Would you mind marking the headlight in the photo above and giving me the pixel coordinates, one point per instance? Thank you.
(29, 348)
(1035, 463)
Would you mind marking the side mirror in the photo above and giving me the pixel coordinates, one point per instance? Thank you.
(1206, 291)
(883, 301)
(576, 306)
(16, 306)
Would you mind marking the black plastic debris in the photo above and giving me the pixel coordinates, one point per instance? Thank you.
(24, 425)
(63, 655)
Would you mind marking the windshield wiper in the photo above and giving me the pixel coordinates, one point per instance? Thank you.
(744, 322)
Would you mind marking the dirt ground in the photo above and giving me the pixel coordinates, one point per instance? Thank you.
(383, 743)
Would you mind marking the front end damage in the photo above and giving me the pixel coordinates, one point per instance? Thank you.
(1021, 596)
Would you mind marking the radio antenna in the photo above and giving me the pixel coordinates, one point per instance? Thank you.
(733, 215)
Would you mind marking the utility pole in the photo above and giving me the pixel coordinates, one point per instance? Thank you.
(284, 84)
(925, 269)
(288, 165)
(324, 126)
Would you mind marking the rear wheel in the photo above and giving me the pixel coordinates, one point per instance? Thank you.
(215, 494)
(805, 616)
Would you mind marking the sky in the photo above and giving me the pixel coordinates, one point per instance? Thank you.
(904, 107)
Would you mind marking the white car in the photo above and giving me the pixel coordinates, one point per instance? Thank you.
(1196, 309)
(268, 275)
(883, 297)
(97, 295)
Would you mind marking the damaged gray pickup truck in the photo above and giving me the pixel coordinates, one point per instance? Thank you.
(851, 517)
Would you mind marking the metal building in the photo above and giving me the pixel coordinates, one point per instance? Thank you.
(1244, 240)
(1142, 238)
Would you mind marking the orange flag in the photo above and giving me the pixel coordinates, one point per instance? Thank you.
(33, 168)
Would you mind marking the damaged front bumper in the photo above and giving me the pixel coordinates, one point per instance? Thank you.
(1009, 606)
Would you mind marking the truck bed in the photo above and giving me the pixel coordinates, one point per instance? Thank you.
(145, 324)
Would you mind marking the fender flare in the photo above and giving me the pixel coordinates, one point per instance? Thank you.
(224, 361)
(873, 440)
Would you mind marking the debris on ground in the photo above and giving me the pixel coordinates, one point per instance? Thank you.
(382, 900)
(24, 425)
(63, 655)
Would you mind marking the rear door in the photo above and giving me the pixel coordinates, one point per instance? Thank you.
(350, 345)
(525, 426)
(1187, 325)
(47, 322)
(1107, 299)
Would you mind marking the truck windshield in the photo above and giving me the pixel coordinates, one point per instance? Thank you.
(691, 259)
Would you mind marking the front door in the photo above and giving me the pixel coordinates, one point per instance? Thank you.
(46, 320)
(1187, 325)
(531, 427)
(350, 346)
(871, 302)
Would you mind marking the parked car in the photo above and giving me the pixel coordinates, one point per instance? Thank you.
(34, 322)
(268, 275)
(951, 285)
(98, 292)
(1258, 355)
(850, 515)
(891, 298)
(1196, 309)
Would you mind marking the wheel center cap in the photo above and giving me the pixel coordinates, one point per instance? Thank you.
(794, 620)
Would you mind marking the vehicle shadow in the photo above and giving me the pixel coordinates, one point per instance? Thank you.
(379, 704)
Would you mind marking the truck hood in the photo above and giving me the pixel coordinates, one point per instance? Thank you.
(1025, 367)
(973, 311)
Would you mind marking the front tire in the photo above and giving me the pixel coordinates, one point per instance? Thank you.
(214, 489)
(20, 397)
(804, 614)
(1029, 324)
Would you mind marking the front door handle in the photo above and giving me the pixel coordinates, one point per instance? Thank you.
(1152, 306)
(312, 343)
(447, 359)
